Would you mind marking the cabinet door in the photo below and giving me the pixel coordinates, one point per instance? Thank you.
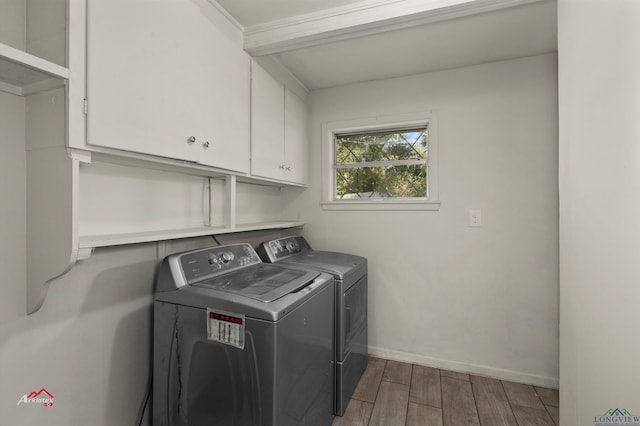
(226, 98)
(267, 125)
(296, 146)
(227, 126)
(158, 73)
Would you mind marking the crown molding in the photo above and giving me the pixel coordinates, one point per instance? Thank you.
(359, 19)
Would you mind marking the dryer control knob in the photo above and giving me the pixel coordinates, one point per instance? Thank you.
(226, 257)
(292, 245)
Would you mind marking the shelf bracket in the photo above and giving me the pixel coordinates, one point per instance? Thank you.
(85, 253)
(80, 155)
(52, 240)
(230, 188)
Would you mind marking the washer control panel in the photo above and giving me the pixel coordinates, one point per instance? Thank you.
(217, 260)
(284, 247)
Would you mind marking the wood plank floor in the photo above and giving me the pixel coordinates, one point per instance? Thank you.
(396, 393)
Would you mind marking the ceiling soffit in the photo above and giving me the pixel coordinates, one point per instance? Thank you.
(359, 19)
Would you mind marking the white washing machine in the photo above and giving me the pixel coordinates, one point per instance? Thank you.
(239, 342)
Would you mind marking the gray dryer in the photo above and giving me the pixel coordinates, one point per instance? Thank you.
(351, 289)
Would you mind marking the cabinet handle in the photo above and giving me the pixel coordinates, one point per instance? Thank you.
(191, 139)
(288, 168)
(281, 166)
(206, 145)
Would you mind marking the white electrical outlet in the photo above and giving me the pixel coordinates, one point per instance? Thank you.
(475, 218)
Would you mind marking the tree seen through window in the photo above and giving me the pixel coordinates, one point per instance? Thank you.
(382, 164)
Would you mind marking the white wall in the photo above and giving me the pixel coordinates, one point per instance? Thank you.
(13, 204)
(89, 345)
(482, 300)
(599, 106)
(12, 24)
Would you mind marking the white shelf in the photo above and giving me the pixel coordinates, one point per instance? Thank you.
(245, 227)
(22, 73)
(94, 241)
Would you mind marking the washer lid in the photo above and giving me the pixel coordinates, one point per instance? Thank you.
(262, 282)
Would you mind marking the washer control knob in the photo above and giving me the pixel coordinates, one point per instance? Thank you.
(291, 246)
(213, 260)
(226, 257)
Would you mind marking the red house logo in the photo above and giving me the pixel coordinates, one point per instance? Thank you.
(42, 396)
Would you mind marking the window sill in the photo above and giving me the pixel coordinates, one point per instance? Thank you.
(405, 205)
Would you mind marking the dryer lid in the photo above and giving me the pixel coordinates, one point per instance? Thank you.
(338, 264)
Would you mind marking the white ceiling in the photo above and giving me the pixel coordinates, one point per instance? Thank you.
(513, 32)
(254, 12)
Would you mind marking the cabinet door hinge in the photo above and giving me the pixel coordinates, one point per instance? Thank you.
(85, 106)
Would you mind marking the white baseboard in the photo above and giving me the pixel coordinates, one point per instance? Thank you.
(461, 367)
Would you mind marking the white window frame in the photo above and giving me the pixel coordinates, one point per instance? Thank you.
(371, 124)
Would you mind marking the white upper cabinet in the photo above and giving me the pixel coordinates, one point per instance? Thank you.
(279, 147)
(296, 147)
(168, 78)
(267, 124)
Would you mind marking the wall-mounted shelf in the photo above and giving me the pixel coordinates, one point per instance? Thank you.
(110, 204)
(22, 73)
(95, 241)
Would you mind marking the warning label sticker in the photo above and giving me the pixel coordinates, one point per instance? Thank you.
(225, 327)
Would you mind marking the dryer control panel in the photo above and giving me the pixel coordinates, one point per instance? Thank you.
(275, 250)
(213, 261)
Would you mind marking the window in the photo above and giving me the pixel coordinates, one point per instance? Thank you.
(382, 163)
